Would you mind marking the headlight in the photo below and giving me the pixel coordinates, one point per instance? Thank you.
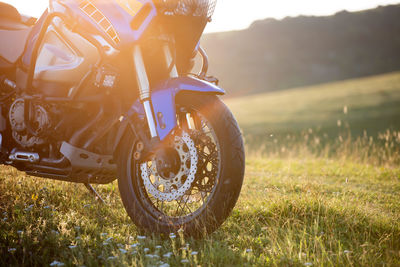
(197, 8)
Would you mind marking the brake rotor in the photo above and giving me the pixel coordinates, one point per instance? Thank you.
(175, 186)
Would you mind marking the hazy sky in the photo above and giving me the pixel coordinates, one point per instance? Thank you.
(239, 14)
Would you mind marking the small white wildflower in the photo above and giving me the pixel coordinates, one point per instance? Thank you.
(123, 251)
(146, 250)
(183, 248)
(184, 261)
(194, 253)
(249, 250)
(180, 230)
(308, 264)
(29, 208)
(135, 245)
(172, 235)
(103, 234)
(158, 247)
(167, 255)
(141, 237)
(108, 239)
(11, 250)
(5, 219)
(346, 251)
(72, 246)
(105, 243)
(57, 263)
(151, 256)
(47, 207)
(20, 232)
(164, 265)
(111, 258)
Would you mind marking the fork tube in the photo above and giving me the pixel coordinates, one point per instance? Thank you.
(144, 89)
(171, 65)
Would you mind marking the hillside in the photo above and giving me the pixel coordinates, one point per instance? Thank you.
(358, 106)
(272, 55)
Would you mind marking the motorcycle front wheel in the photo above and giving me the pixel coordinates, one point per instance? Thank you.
(194, 180)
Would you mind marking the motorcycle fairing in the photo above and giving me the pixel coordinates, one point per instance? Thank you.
(122, 21)
(163, 100)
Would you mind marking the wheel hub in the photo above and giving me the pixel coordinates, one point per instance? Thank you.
(168, 162)
(171, 172)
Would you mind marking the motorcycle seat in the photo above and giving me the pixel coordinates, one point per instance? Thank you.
(13, 33)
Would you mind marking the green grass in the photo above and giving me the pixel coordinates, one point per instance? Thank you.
(353, 108)
(314, 193)
(291, 212)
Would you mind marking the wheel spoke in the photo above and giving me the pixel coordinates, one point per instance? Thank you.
(186, 204)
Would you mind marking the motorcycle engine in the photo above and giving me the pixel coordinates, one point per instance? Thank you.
(20, 132)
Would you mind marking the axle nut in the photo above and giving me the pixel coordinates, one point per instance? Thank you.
(136, 155)
(140, 146)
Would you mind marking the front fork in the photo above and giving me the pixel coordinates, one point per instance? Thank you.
(144, 85)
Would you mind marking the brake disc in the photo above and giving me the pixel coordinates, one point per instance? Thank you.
(172, 188)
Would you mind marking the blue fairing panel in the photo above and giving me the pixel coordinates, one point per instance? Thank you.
(121, 21)
(163, 100)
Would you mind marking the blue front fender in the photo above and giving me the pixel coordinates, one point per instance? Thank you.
(163, 100)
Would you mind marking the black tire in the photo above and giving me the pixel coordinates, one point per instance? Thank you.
(226, 190)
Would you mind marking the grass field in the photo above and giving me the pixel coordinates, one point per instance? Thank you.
(322, 117)
(371, 103)
(331, 202)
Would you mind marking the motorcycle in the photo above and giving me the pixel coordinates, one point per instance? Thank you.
(96, 90)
